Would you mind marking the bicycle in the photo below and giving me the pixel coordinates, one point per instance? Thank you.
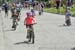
(14, 17)
(30, 33)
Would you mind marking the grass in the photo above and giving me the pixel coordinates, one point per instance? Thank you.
(62, 10)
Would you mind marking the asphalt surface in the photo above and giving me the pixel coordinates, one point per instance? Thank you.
(50, 34)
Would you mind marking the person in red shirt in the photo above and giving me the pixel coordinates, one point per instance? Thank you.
(29, 25)
(29, 20)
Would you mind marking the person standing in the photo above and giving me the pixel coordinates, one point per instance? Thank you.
(58, 5)
(6, 7)
(40, 7)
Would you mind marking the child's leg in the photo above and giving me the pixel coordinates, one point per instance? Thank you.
(33, 37)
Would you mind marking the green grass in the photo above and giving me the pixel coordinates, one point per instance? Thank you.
(62, 10)
(73, 11)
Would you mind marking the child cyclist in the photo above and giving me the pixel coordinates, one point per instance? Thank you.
(29, 22)
(67, 16)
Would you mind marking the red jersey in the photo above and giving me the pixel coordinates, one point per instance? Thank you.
(28, 20)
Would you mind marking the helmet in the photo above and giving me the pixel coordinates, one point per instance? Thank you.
(29, 14)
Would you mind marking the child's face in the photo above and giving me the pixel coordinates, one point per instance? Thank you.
(30, 16)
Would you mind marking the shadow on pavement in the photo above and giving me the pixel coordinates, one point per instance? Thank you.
(25, 42)
(9, 30)
(63, 25)
(73, 48)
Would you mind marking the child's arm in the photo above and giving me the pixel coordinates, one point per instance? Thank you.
(34, 21)
(25, 21)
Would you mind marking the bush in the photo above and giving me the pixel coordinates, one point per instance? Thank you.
(48, 4)
(62, 10)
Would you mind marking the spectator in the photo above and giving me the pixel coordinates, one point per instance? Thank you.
(57, 4)
(6, 7)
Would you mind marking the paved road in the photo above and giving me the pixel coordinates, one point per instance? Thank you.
(49, 33)
(1, 33)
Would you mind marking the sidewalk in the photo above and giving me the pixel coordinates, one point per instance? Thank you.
(49, 33)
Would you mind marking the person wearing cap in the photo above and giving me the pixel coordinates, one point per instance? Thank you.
(28, 21)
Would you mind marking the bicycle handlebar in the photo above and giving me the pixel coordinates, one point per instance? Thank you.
(32, 24)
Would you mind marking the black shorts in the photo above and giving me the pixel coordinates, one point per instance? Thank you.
(29, 26)
(6, 11)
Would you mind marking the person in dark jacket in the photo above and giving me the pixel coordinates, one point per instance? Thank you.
(58, 5)
(6, 9)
